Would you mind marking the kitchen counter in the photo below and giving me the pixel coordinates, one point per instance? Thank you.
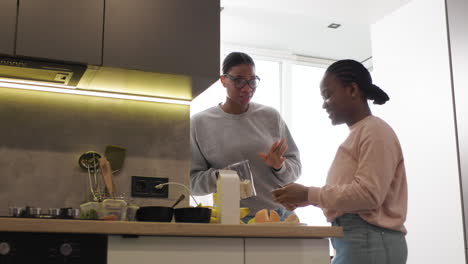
(167, 229)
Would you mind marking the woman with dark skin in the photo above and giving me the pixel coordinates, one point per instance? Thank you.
(366, 189)
(239, 129)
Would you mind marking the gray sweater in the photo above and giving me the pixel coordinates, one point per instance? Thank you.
(219, 139)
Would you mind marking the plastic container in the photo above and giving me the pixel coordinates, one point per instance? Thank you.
(131, 212)
(115, 207)
(86, 208)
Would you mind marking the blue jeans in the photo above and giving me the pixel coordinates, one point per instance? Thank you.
(364, 243)
(283, 213)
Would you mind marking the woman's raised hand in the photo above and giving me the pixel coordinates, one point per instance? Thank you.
(274, 158)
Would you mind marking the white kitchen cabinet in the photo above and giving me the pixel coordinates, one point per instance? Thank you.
(281, 251)
(175, 250)
(7, 26)
(66, 30)
(210, 250)
(177, 36)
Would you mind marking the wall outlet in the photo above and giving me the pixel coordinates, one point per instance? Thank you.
(145, 187)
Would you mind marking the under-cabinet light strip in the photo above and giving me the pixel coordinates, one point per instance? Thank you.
(77, 91)
(35, 83)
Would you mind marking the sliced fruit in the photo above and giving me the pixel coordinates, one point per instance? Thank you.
(262, 216)
(292, 219)
(274, 216)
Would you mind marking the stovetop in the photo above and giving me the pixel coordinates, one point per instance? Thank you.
(52, 213)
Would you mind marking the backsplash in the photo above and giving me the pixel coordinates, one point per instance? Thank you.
(43, 134)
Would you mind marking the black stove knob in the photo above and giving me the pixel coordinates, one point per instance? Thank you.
(66, 249)
(4, 248)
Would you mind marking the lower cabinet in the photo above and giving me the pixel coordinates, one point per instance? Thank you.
(23, 248)
(50, 248)
(175, 250)
(287, 250)
(205, 250)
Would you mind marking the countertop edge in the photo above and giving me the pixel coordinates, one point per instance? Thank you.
(166, 229)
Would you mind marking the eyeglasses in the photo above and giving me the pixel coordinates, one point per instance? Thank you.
(240, 83)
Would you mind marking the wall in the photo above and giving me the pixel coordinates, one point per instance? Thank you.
(457, 21)
(43, 134)
(411, 62)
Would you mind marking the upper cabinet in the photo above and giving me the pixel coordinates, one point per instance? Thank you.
(7, 26)
(66, 30)
(176, 36)
(166, 36)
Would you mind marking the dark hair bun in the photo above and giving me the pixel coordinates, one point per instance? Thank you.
(351, 71)
(378, 95)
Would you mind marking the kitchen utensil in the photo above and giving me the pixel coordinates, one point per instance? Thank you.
(161, 185)
(89, 161)
(54, 212)
(16, 211)
(34, 211)
(181, 197)
(192, 215)
(247, 187)
(107, 175)
(155, 214)
(73, 213)
(116, 156)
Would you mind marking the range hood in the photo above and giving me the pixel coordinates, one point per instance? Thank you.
(41, 71)
(94, 80)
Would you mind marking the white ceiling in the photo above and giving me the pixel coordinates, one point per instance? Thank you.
(300, 26)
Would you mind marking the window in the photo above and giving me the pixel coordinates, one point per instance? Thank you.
(268, 92)
(313, 133)
(210, 97)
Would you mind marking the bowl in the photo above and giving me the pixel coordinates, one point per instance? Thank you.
(192, 215)
(155, 214)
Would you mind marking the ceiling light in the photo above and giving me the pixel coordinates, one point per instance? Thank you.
(334, 25)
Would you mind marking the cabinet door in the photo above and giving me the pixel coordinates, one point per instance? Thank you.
(175, 250)
(66, 30)
(281, 251)
(176, 36)
(7, 26)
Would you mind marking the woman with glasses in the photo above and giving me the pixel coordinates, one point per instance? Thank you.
(366, 190)
(238, 130)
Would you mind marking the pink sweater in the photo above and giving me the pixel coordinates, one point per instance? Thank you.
(367, 177)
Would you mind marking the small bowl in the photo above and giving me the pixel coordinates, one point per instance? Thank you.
(155, 214)
(192, 215)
